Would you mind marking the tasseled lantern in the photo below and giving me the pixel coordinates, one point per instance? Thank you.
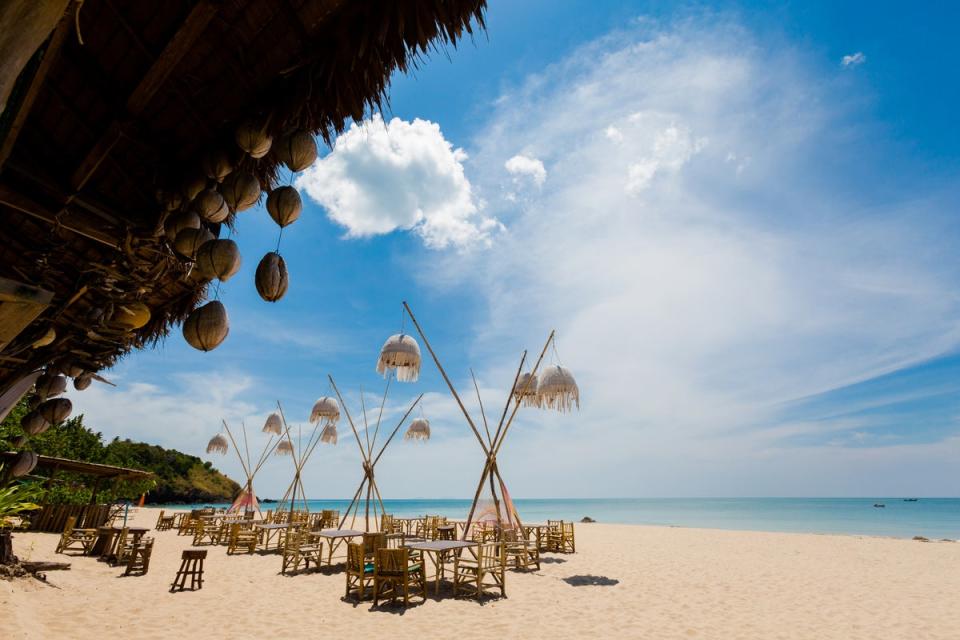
(285, 448)
(329, 434)
(211, 206)
(272, 279)
(180, 221)
(400, 352)
(525, 391)
(217, 165)
(556, 389)
(297, 150)
(207, 326)
(218, 444)
(273, 424)
(419, 430)
(55, 410)
(130, 315)
(189, 241)
(33, 423)
(241, 190)
(284, 205)
(219, 259)
(253, 139)
(325, 408)
(23, 463)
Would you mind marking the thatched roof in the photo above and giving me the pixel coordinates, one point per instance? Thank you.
(84, 468)
(93, 132)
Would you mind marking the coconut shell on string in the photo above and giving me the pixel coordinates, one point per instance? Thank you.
(19, 441)
(189, 241)
(241, 190)
(329, 434)
(400, 353)
(325, 408)
(525, 390)
(284, 448)
(34, 401)
(272, 279)
(23, 463)
(207, 326)
(219, 259)
(33, 423)
(217, 165)
(217, 444)
(55, 410)
(557, 389)
(297, 150)
(192, 185)
(253, 139)
(48, 386)
(180, 221)
(273, 424)
(419, 429)
(130, 316)
(47, 338)
(83, 381)
(284, 205)
(72, 370)
(211, 206)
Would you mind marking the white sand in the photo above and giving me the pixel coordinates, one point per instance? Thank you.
(670, 583)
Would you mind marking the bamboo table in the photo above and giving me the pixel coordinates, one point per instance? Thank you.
(107, 537)
(438, 549)
(335, 537)
(267, 531)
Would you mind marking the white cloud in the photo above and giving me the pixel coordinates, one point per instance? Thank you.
(382, 177)
(522, 166)
(853, 59)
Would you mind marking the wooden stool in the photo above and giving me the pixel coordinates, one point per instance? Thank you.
(191, 564)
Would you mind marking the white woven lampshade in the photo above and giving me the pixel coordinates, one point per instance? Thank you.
(325, 408)
(401, 353)
(419, 430)
(273, 424)
(217, 444)
(329, 434)
(284, 448)
(556, 389)
(525, 390)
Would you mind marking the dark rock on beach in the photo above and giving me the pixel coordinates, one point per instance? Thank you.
(587, 519)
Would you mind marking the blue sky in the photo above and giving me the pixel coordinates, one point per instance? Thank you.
(741, 220)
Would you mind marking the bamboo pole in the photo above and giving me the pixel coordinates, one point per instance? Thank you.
(483, 413)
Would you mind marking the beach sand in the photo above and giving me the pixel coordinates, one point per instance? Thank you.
(625, 581)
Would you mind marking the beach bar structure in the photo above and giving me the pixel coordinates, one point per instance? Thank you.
(133, 133)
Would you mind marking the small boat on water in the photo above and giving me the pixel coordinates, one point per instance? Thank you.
(879, 505)
(910, 499)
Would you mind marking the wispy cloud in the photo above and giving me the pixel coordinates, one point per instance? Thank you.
(853, 59)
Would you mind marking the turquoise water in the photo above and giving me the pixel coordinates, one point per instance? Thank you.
(929, 517)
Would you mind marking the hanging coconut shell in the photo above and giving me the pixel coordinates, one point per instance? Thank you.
(130, 315)
(55, 410)
(34, 401)
(172, 200)
(273, 424)
(419, 430)
(241, 190)
(284, 205)
(218, 444)
(189, 241)
(272, 279)
(23, 463)
(48, 385)
(81, 382)
(180, 221)
(72, 370)
(219, 259)
(217, 165)
(45, 339)
(207, 326)
(401, 353)
(19, 441)
(556, 389)
(284, 448)
(525, 391)
(211, 206)
(33, 423)
(297, 150)
(329, 434)
(325, 408)
(193, 185)
(253, 139)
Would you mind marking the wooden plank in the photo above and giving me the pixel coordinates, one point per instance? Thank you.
(13, 291)
(15, 317)
(73, 223)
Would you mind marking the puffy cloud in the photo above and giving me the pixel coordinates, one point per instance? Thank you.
(522, 166)
(382, 177)
(853, 59)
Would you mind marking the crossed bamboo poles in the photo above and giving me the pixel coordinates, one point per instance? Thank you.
(369, 461)
(249, 470)
(300, 455)
(491, 447)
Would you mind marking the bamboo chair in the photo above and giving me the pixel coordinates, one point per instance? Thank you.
(188, 524)
(554, 535)
(331, 518)
(73, 537)
(164, 522)
(241, 537)
(372, 542)
(567, 542)
(484, 532)
(389, 524)
(359, 572)
(299, 549)
(394, 568)
(159, 519)
(204, 531)
(478, 571)
(268, 517)
(123, 550)
(139, 560)
(523, 552)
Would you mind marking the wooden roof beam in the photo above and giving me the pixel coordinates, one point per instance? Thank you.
(74, 223)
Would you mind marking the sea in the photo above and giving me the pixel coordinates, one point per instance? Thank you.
(933, 518)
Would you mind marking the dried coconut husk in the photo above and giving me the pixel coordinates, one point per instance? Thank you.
(217, 165)
(49, 385)
(83, 381)
(272, 279)
(130, 316)
(284, 205)
(55, 410)
(241, 190)
(207, 326)
(180, 221)
(210, 205)
(47, 338)
(189, 241)
(297, 150)
(219, 259)
(253, 139)
(192, 185)
(23, 463)
(33, 423)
